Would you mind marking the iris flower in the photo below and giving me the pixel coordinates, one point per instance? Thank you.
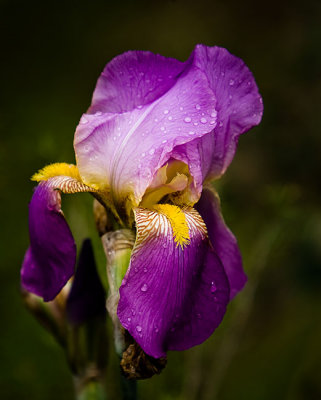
(157, 132)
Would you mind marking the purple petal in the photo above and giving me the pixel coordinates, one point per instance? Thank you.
(171, 298)
(222, 239)
(122, 152)
(87, 298)
(132, 79)
(239, 108)
(50, 260)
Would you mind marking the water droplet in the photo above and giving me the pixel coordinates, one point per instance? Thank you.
(151, 151)
(191, 132)
(156, 120)
(213, 114)
(221, 123)
(144, 288)
(195, 123)
(156, 330)
(138, 328)
(203, 120)
(213, 288)
(181, 108)
(143, 154)
(166, 111)
(212, 122)
(164, 141)
(140, 107)
(129, 319)
(198, 107)
(231, 82)
(98, 113)
(133, 312)
(170, 118)
(187, 119)
(162, 128)
(249, 83)
(86, 148)
(223, 73)
(83, 120)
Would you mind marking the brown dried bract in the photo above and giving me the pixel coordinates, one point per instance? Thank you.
(136, 364)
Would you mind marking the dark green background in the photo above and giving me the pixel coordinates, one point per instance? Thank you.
(268, 346)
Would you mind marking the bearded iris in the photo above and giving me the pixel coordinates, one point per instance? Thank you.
(157, 132)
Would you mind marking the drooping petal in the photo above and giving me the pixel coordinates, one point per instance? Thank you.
(134, 79)
(50, 260)
(239, 108)
(122, 152)
(87, 297)
(222, 239)
(172, 298)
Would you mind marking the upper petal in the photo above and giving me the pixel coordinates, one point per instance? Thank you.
(133, 79)
(239, 108)
(171, 298)
(222, 239)
(122, 152)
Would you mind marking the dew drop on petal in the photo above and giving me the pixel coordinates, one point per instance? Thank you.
(83, 120)
(151, 151)
(231, 82)
(138, 328)
(213, 288)
(162, 128)
(98, 113)
(203, 120)
(144, 288)
(191, 132)
(164, 141)
(195, 123)
(181, 108)
(129, 319)
(140, 107)
(213, 114)
(198, 107)
(170, 118)
(166, 111)
(187, 119)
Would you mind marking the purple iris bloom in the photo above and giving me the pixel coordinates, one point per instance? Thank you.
(157, 132)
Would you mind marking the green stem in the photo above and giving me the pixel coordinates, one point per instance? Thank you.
(93, 390)
(129, 388)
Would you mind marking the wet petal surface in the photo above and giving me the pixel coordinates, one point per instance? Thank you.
(172, 298)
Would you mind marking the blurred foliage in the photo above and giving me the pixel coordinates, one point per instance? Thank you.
(268, 345)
